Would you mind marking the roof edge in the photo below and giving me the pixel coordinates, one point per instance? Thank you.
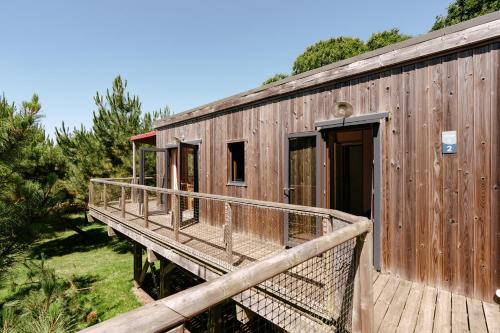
(273, 89)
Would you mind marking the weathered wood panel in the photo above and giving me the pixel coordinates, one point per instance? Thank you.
(495, 166)
(440, 212)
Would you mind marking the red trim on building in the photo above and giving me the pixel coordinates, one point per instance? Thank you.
(149, 138)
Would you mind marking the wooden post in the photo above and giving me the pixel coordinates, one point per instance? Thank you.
(363, 285)
(134, 191)
(228, 231)
(137, 262)
(91, 193)
(104, 196)
(146, 203)
(215, 318)
(328, 224)
(123, 202)
(176, 215)
(166, 268)
(144, 271)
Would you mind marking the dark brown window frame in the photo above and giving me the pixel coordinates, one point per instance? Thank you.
(231, 177)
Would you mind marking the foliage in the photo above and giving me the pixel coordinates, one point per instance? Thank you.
(384, 38)
(276, 77)
(51, 304)
(94, 269)
(328, 51)
(105, 149)
(30, 169)
(463, 10)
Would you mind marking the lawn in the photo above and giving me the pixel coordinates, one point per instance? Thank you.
(101, 265)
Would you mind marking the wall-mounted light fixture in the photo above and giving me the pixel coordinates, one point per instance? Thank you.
(343, 110)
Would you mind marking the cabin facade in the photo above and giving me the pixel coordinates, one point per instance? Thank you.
(408, 136)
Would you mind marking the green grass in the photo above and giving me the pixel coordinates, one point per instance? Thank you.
(101, 266)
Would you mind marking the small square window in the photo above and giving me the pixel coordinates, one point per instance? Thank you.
(236, 161)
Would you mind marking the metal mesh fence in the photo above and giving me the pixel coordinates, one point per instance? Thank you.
(315, 296)
(233, 233)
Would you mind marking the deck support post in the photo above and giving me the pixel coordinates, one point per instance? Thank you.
(176, 215)
(215, 318)
(228, 231)
(123, 202)
(105, 196)
(166, 268)
(137, 261)
(144, 271)
(145, 208)
(363, 285)
(111, 232)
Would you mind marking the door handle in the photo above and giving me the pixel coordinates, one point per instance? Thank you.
(287, 190)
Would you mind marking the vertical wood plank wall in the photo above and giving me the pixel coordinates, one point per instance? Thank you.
(440, 213)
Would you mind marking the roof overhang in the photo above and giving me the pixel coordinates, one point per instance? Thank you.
(457, 36)
(148, 138)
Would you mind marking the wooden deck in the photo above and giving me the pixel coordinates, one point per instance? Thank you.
(201, 237)
(404, 306)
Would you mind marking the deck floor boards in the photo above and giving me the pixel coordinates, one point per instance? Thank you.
(202, 237)
(403, 306)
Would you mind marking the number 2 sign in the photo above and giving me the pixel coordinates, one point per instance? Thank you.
(449, 142)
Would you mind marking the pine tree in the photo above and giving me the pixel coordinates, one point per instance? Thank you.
(104, 150)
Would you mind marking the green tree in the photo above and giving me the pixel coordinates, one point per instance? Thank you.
(328, 51)
(30, 169)
(384, 38)
(463, 10)
(45, 303)
(105, 149)
(276, 77)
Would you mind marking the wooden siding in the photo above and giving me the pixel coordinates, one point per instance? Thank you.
(440, 213)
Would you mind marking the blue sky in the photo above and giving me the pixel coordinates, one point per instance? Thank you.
(181, 54)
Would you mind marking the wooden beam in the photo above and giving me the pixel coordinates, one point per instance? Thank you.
(111, 232)
(363, 317)
(215, 323)
(137, 261)
(166, 268)
(146, 208)
(228, 231)
(151, 255)
(144, 271)
(123, 203)
(176, 215)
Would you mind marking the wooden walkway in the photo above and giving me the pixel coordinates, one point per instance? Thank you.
(404, 306)
(202, 237)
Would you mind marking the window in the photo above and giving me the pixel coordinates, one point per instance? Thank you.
(236, 161)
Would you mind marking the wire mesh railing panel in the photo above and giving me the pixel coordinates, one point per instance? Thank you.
(314, 296)
(232, 232)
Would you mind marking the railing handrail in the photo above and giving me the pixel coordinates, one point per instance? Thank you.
(174, 310)
(325, 212)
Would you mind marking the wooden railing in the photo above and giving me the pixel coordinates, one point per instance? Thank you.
(173, 312)
(116, 192)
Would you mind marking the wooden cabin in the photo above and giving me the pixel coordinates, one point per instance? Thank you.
(407, 135)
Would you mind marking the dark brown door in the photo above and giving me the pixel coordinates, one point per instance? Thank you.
(301, 188)
(188, 171)
(351, 168)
